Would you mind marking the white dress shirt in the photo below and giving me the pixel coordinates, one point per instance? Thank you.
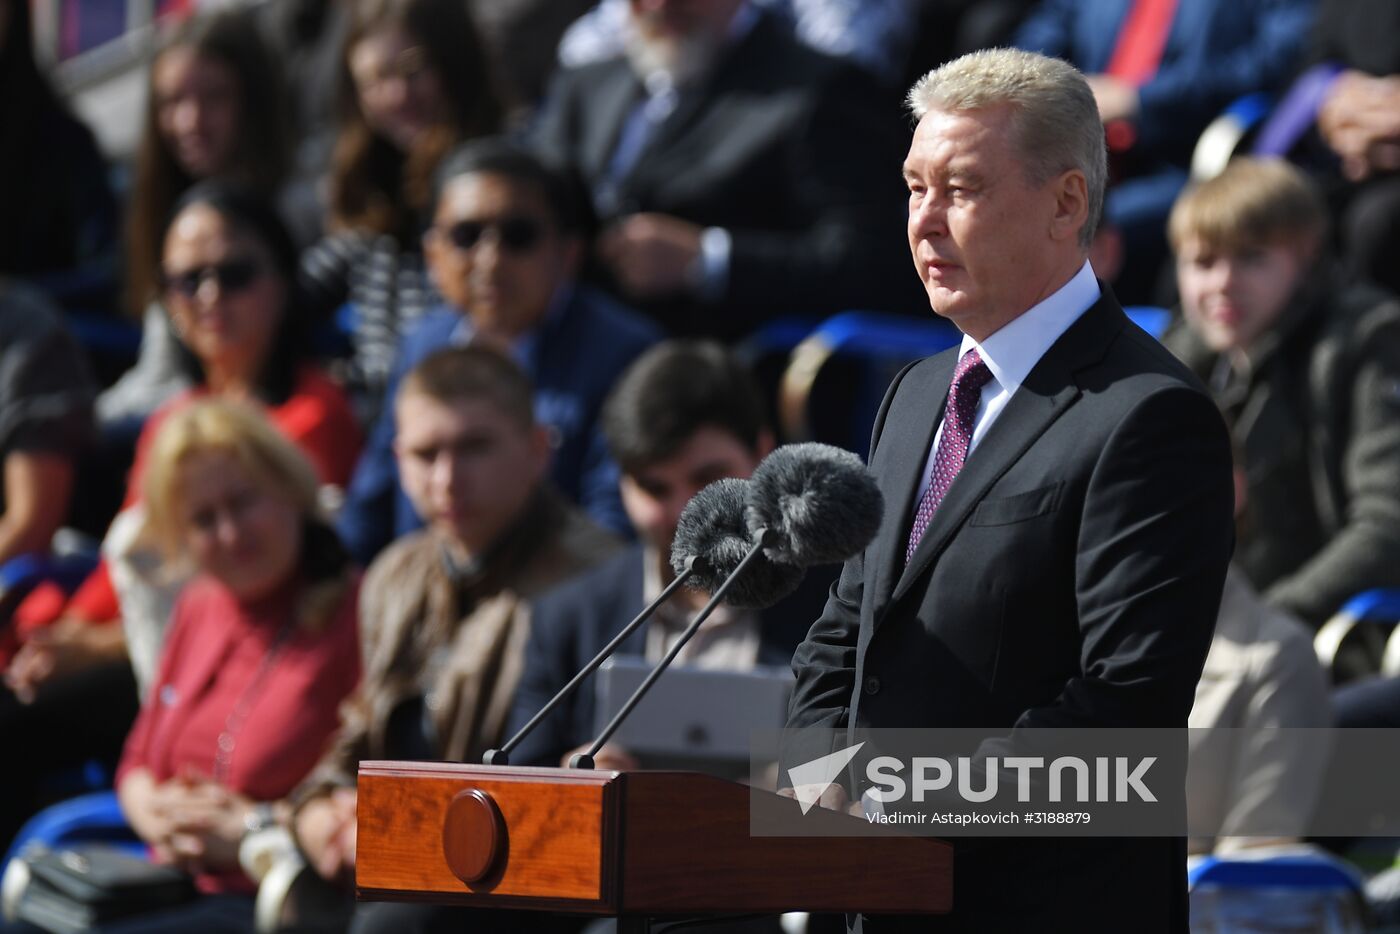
(1014, 350)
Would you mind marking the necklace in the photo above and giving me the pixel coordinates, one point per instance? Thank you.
(238, 716)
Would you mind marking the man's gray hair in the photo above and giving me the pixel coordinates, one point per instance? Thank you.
(1056, 117)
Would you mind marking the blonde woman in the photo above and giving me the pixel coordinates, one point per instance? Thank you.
(261, 649)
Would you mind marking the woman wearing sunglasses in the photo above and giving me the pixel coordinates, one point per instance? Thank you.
(213, 111)
(415, 83)
(227, 279)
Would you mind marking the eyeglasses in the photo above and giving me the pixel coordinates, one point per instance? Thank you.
(231, 276)
(516, 234)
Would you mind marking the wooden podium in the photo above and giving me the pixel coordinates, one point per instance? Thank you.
(631, 844)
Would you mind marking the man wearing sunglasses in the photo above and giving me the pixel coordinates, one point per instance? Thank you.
(504, 247)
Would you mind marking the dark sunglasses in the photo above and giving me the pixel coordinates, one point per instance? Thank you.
(516, 234)
(232, 275)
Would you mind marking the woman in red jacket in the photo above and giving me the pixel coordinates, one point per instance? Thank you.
(228, 274)
(262, 648)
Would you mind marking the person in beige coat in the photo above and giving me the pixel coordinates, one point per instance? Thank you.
(443, 612)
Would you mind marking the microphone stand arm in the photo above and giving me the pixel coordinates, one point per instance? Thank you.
(585, 760)
(501, 756)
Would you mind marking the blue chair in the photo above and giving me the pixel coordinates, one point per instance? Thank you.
(1287, 889)
(879, 344)
(1229, 134)
(1153, 319)
(1363, 637)
(89, 818)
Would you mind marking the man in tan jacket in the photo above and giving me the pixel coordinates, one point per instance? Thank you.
(442, 611)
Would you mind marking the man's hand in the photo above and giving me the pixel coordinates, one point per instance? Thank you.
(1360, 121)
(1117, 99)
(67, 647)
(326, 830)
(652, 255)
(611, 758)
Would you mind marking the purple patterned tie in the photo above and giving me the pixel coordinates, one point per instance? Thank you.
(968, 379)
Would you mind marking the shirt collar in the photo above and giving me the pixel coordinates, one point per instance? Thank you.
(524, 348)
(1014, 350)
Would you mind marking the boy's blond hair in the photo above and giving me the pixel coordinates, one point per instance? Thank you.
(1254, 202)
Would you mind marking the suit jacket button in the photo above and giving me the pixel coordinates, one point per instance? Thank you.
(872, 685)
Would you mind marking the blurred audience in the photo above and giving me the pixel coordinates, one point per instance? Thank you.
(504, 247)
(874, 34)
(214, 110)
(262, 648)
(739, 174)
(1306, 365)
(686, 414)
(443, 619)
(1360, 123)
(1161, 72)
(46, 396)
(60, 233)
(415, 82)
(227, 276)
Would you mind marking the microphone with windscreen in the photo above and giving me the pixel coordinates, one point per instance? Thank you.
(704, 555)
(806, 504)
(822, 503)
(714, 528)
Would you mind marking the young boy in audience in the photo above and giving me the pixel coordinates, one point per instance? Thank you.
(1307, 367)
(506, 241)
(686, 414)
(443, 609)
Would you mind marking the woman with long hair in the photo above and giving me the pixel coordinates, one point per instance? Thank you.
(214, 111)
(227, 273)
(415, 81)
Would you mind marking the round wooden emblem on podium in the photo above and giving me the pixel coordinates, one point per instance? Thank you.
(473, 835)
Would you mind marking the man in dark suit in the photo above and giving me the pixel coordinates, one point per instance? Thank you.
(740, 174)
(686, 414)
(1058, 518)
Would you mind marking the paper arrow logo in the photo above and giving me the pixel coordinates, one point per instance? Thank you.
(810, 780)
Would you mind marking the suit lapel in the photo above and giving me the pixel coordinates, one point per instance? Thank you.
(1047, 392)
(612, 101)
(731, 71)
(907, 450)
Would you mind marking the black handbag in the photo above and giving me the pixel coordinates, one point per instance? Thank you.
(79, 887)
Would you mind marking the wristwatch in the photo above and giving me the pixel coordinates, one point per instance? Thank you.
(258, 818)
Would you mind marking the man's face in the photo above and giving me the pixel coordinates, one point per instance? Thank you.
(468, 468)
(496, 253)
(655, 496)
(680, 37)
(979, 231)
(1230, 298)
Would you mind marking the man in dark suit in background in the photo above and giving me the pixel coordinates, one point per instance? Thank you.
(686, 414)
(740, 174)
(1057, 531)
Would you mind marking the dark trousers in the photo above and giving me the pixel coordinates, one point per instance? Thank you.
(71, 722)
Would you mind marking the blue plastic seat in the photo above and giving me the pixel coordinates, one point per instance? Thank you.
(1363, 637)
(1288, 889)
(89, 818)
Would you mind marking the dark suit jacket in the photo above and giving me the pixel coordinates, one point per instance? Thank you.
(1070, 578)
(797, 155)
(578, 353)
(572, 623)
